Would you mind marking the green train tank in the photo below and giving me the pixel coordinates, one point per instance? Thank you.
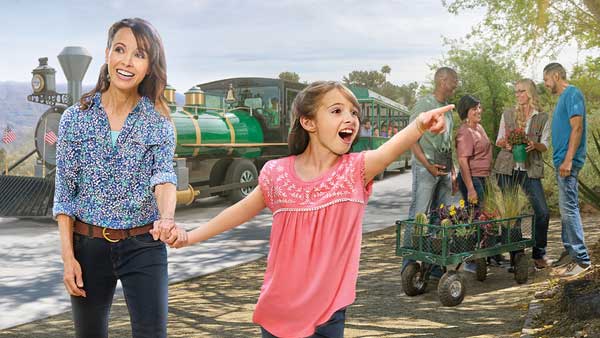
(206, 133)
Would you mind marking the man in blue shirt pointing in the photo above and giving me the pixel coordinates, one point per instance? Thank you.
(569, 150)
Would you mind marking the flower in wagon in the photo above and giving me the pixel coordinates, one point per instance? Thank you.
(461, 203)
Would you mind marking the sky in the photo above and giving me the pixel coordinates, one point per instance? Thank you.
(207, 40)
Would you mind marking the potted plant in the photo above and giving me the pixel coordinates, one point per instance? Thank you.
(464, 238)
(419, 233)
(518, 140)
(513, 203)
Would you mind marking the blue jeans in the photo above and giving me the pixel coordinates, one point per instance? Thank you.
(141, 265)
(428, 192)
(572, 227)
(535, 194)
(333, 328)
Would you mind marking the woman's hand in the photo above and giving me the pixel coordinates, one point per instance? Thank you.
(472, 196)
(502, 143)
(530, 146)
(72, 277)
(162, 229)
(434, 120)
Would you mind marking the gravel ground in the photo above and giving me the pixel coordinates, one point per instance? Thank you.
(221, 304)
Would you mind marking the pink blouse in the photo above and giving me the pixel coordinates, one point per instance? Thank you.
(314, 253)
(476, 147)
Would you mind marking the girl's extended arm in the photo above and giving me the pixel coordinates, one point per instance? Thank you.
(377, 160)
(231, 217)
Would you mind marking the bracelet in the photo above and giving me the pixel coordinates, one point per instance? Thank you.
(166, 219)
(419, 124)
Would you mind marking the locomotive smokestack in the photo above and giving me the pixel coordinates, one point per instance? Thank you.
(74, 62)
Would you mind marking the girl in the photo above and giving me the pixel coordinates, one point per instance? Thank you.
(114, 182)
(318, 197)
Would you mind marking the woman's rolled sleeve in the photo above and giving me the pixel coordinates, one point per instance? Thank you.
(162, 168)
(65, 184)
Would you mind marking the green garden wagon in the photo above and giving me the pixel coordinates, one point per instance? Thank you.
(447, 246)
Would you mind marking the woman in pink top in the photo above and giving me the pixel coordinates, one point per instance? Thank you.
(318, 197)
(473, 149)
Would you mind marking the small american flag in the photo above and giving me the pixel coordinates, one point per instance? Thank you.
(50, 138)
(9, 135)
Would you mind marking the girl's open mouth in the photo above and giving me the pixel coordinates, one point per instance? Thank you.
(346, 135)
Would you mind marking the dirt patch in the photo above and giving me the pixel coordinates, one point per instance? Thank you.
(553, 322)
(221, 304)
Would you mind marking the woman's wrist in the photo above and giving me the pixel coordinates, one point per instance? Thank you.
(419, 124)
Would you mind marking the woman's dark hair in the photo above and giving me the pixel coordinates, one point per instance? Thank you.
(306, 104)
(153, 85)
(464, 104)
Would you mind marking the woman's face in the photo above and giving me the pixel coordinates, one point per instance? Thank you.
(521, 94)
(128, 63)
(474, 114)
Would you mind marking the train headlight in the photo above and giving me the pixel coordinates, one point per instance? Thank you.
(37, 83)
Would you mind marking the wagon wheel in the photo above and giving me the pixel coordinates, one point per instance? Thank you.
(413, 282)
(240, 171)
(521, 268)
(451, 289)
(481, 270)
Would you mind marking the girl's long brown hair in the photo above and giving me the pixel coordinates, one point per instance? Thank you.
(306, 104)
(153, 85)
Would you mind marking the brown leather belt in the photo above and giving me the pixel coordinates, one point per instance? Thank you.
(111, 235)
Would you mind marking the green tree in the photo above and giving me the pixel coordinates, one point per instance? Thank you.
(586, 77)
(371, 79)
(535, 26)
(486, 74)
(289, 76)
(376, 81)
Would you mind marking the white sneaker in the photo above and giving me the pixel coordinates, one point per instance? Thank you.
(571, 271)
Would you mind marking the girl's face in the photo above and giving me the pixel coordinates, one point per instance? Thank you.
(474, 114)
(335, 124)
(521, 94)
(128, 64)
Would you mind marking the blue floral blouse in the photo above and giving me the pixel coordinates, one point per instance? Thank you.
(112, 186)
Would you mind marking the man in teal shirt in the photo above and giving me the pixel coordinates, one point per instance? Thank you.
(433, 173)
(569, 149)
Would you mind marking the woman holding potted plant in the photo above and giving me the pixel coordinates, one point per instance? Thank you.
(528, 174)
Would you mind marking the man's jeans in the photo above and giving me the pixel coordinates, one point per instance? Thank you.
(572, 227)
(535, 194)
(141, 265)
(428, 192)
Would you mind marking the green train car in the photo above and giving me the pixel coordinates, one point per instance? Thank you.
(225, 132)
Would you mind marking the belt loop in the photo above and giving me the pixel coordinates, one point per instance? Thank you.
(90, 230)
(127, 232)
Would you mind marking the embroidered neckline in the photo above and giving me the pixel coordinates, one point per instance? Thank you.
(319, 207)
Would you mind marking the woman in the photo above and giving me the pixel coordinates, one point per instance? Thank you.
(473, 149)
(114, 182)
(528, 175)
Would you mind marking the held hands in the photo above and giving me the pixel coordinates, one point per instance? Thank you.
(167, 231)
(434, 120)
